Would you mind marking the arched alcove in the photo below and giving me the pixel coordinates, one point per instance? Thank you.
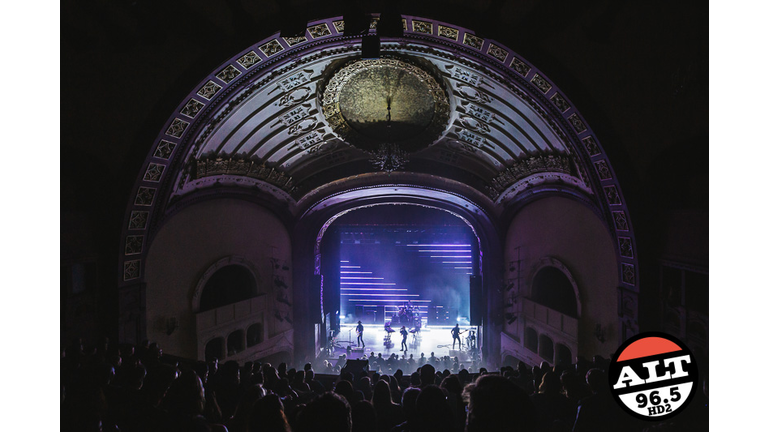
(563, 355)
(229, 284)
(552, 288)
(235, 342)
(214, 349)
(254, 335)
(546, 348)
(531, 339)
(560, 275)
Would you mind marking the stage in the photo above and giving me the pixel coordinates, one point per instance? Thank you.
(430, 339)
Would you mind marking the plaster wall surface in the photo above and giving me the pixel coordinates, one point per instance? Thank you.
(568, 231)
(195, 239)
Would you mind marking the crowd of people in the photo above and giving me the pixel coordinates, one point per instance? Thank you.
(137, 388)
(406, 363)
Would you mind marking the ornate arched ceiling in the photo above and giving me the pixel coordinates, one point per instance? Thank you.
(289, 116)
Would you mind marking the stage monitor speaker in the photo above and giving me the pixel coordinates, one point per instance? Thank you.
(476, 304)
(314, 300)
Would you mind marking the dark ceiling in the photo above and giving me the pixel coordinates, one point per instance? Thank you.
(637, 72)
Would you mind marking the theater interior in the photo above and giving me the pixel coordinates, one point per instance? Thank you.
(247, 180)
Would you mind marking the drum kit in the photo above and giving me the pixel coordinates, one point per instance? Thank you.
(407, 317)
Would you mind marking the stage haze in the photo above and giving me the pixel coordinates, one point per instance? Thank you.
(382, 269)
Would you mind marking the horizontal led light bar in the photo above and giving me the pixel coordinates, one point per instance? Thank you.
(349, 266)
(444, 250)
(381, 295)
(354, 272)
(392, 305)
(463, 268)
(449, 256)
(368, 283)
(440, 245)
(344, 261)
(362, 277)
(454, 262)
(374, 289)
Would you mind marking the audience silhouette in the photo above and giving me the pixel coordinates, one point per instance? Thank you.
(138, 388)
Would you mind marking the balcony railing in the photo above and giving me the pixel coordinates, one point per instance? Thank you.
(224, 315)
(550, 317)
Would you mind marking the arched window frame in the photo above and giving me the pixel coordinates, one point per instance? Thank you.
(223, 262)
(223, 351)
(559, 346)
(529, 341)
(239, 336)
(553, 262)
(542, 345)
(259, 334)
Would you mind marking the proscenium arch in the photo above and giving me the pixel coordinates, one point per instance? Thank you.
(330, 222)
(275, 60)
(316, 220)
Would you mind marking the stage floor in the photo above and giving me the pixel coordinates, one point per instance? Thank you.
(431, 339)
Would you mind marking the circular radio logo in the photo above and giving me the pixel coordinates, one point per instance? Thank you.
(653, 376)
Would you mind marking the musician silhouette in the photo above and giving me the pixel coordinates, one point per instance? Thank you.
(456, 332)
(403, 344)
(360, 329)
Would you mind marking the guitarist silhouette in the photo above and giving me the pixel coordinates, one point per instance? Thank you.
(455, 332)
(360, 333)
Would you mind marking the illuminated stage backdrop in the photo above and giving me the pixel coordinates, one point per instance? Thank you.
(383, 268)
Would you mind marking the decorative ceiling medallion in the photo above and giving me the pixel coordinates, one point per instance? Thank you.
(422, 27)
(228, 74)
(154, 172)
(497, 52)
(249, 59)
(271, 48)
(209, 90)
(620, 221)
(612, 194)
(370, 102)
(591, 145)
(473, 41)
(560, 102)
(177, 128)
(520, 67)
(131, 270)
(577, 124)
(164, 149)
(448, 32)
(145, 196)
(192, 108)
(138, 220)
(295, 40)
(541, 83)
(320, 30)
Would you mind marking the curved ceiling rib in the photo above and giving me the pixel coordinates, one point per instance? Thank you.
(490, 126)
